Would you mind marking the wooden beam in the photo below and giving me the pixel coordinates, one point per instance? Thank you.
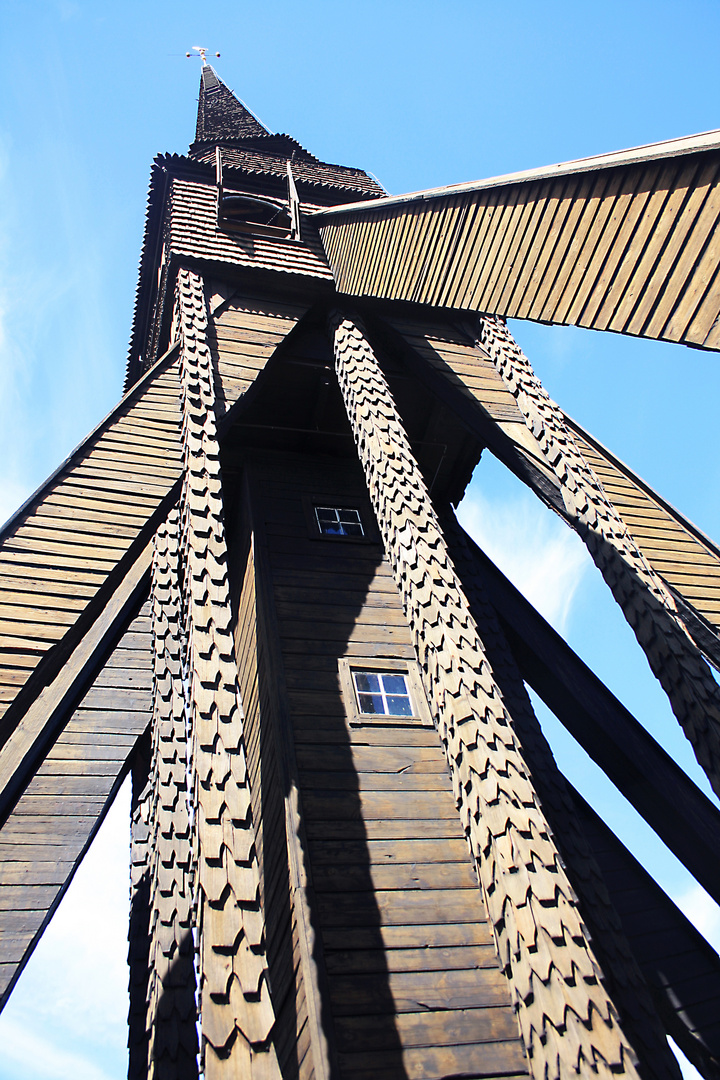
(682, 816)
(471, 413)
(681, 968)
(46, 714)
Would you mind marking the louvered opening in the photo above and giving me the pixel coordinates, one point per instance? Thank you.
(253, 214)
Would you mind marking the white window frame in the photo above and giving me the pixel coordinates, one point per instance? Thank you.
(314, 501)
(383, 666)
(339, 510)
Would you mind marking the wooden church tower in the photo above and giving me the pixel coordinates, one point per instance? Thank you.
(353, 854)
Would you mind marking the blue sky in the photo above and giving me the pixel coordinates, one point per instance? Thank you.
(421, 94)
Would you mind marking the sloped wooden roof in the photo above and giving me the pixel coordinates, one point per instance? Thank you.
(57, 554)
(622, 242)
(267, 161)
(70, 539)
(220, 114)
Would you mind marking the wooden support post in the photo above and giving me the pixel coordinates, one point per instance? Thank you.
(138, 932)
(682, 816)
(646, 602)
(171, 1004)
(236, 1012)
(567, 1019)
(625, 980)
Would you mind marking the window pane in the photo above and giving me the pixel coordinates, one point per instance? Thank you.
(338, 521)
(394, 684)
(398, 706)
(325, 513)
(367, 681)
(382, 693)
(371, 703)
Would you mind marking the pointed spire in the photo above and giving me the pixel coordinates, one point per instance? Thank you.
(220, 115)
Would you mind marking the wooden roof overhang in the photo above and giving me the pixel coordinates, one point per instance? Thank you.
(623, 242)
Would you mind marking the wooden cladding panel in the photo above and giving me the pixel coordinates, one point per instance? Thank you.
(50, 827)
(53, 562)
(245, 331)
(412, 977)
(632, 248)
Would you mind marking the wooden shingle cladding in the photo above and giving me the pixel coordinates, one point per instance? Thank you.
(614, 891)
(317, 181)
(192, 231)
(61, 552)
(622, 242)
(412, 987)
(682, 816)
(46, 834)
(681, 554)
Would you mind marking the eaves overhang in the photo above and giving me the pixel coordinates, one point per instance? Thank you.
(691, 144)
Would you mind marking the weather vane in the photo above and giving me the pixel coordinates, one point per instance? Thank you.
(202, 53)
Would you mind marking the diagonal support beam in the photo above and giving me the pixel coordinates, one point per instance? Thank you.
(626, 983)
(236, 1012)
(640, 592)
(650, 780)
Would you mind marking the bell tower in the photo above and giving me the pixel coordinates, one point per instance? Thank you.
(353, 852)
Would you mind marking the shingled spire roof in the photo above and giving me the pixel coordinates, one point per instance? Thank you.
(220, 115)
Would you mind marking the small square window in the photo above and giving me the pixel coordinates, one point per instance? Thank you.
(338, 521)
(383, 691)
(382, 694)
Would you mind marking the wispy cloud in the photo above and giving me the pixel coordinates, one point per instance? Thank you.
(540, 555)
(36, 1056)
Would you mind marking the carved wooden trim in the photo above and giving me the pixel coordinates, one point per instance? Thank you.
(641, 593)
(236, 1012)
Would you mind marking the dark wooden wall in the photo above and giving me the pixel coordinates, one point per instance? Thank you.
(408, 977)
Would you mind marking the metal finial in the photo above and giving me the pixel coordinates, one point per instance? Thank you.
(202, 53)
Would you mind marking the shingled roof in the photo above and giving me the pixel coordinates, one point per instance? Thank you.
(220, 114)
(247, 146)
